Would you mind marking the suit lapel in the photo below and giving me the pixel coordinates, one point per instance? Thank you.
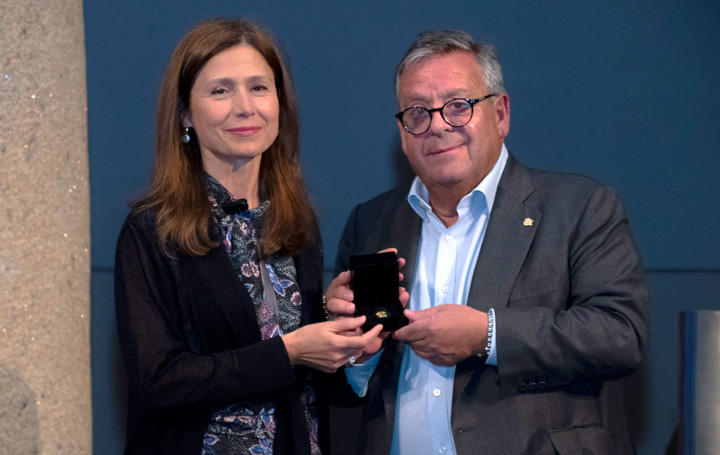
(510, 232)
(404, 234)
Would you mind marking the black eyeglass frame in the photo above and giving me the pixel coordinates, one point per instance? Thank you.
(471, 102)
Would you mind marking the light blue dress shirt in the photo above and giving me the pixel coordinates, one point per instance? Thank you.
(443, 274)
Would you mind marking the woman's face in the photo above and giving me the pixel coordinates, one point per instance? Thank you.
(234, 109)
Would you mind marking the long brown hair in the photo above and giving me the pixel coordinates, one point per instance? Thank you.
(177, 191)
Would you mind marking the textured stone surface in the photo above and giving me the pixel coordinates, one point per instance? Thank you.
(45, 403)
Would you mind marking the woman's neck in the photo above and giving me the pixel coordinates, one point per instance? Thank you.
(241, 179)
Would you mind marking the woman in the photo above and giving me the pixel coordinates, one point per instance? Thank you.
(219, 267)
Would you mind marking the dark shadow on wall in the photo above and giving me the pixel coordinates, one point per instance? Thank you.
(19, 427)
(109, 380)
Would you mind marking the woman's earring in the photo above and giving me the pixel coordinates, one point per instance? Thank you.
(186, 136)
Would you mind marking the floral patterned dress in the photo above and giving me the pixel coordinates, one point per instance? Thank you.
(249, 427)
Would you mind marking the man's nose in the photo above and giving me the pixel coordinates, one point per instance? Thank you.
(438, 123)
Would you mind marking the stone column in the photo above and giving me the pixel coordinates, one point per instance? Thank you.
(45, 399)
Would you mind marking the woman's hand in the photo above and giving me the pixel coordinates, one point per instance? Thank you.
(324, 347)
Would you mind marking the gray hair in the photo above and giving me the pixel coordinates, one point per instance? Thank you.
(442, 42)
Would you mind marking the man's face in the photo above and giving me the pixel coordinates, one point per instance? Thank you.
(448, 158)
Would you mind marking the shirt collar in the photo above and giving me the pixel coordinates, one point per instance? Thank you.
(419, 198)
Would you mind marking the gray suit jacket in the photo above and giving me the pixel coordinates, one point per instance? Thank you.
(571, 309)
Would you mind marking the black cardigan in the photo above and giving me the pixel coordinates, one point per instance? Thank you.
(191, 343)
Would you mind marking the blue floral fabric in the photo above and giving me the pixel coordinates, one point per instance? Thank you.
(249, 427)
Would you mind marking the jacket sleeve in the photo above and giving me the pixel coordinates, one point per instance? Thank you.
(165, 374)
(593, 328)
(346, 247)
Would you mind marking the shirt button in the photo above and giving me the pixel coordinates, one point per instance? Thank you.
(437, 392)
(445, 289)
(442, 450)
(448, 238)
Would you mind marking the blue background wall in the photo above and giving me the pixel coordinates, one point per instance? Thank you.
(625, 92)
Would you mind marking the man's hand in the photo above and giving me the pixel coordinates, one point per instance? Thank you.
(445, 334)
(339, 297)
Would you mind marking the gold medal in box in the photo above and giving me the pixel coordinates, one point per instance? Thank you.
(375, 285)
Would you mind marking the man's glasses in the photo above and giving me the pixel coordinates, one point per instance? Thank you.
(457, 112)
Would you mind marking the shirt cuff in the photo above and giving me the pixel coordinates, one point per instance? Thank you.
(358, 375)
(492, 358)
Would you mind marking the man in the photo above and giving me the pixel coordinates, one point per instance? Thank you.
(527, 295)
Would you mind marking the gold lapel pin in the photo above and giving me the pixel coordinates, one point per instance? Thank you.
(528, 222)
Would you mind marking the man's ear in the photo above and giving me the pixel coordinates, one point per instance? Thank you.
(401, 130)
(186, 119)
(502, 112)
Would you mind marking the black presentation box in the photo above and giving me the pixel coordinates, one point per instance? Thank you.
(375, 285)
